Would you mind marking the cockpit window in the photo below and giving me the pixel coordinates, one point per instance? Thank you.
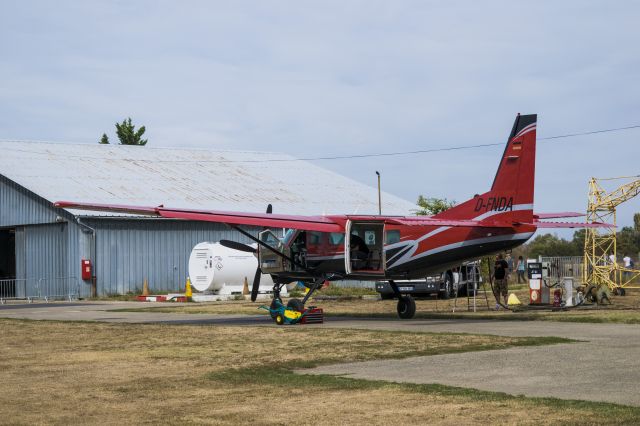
(336, 238)
(269, 238)
(314, 238)
(393, 236)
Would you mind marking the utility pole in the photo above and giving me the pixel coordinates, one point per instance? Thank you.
(379, 196)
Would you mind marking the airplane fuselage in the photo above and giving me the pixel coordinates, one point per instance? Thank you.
(389, 251)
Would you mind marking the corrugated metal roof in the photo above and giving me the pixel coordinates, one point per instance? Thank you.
(187, 178)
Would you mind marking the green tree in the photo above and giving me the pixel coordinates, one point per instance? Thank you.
(578, 240)
(432, 206)
(128, 135)
(636, 222)
(104, 140)
(552, 245)
(628, 241)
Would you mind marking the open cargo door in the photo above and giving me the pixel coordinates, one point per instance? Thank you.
(364, 248)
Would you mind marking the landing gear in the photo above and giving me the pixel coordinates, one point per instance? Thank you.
(277, 310)
(276, 301)
(406, 307)
(406, 304)
(448, 287)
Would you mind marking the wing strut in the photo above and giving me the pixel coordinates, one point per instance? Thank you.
(268, 247)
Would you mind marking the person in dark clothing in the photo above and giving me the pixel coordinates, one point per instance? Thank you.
(500, 286)
(358, 244)
(359, 252)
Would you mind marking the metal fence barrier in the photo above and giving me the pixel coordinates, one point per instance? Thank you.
(14, 289)
(67, 288)
(565, 266)
(58, 288)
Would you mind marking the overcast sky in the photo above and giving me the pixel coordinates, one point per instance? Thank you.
(339, 78)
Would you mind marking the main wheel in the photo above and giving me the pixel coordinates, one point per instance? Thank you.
(406, 307)
(274, 307)
(448, 287)
(279, 319)
(295, 304)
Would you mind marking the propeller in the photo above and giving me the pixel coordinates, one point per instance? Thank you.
(238, 246)
(256, 279)
(256, 284)
(246, 248)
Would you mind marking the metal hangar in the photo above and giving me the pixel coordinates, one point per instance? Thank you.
(42, 248)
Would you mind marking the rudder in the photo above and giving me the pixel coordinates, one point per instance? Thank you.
(512, 192)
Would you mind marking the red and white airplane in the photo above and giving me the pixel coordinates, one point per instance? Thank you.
(355, 247)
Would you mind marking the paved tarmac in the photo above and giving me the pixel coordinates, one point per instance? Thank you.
(110, 312)
(603, 366)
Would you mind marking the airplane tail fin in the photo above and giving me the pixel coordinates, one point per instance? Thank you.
(510, 198)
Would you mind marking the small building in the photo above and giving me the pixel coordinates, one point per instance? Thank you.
(42, 247)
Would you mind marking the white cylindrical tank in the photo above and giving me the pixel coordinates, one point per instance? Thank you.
(213, 267)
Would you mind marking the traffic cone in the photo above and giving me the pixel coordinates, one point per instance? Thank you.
(145, 288)
(513, 300)
(245, 288)
(187, 292)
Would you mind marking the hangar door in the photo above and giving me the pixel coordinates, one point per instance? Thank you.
(7, 263)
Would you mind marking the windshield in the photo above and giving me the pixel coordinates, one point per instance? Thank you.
(288, 236)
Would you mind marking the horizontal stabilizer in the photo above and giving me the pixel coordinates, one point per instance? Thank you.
(556, 215)
(572, 225)
(410, 221)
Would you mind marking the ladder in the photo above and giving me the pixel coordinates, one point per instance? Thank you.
(473, 284)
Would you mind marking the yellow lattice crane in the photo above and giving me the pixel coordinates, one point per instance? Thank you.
(600, 243)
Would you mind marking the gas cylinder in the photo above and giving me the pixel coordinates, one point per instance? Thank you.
(557, 297)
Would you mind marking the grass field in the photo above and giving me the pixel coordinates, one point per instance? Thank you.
(98, 373)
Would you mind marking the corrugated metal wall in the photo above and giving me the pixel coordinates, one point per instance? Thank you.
(43, 249)
(127, 251)
(21, 207)
(130, 251)
(46, 258)
(46, 250)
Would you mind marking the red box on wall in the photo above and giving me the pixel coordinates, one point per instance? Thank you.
(86, 269)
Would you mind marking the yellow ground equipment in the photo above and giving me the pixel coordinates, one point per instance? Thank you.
(600, 243)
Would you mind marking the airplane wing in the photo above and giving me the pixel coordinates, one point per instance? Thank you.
(556, 215)
(308, 223)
